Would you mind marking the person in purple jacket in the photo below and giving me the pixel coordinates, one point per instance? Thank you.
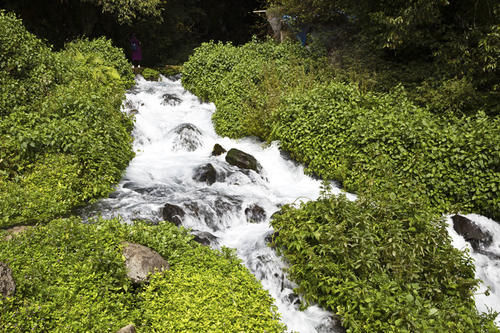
(136, 51)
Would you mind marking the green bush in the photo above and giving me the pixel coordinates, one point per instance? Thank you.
(60, 119)
(150, 74)
(383, 263)
(70, 277)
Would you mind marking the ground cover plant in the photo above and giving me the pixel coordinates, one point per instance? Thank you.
(64, 140)
(71, 277)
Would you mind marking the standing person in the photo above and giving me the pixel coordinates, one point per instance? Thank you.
(136, 51)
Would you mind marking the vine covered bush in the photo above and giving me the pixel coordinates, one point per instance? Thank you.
(64, 140)
(71, 277)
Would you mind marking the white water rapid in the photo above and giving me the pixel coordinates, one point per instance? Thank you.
(173, 137)
(173, 141)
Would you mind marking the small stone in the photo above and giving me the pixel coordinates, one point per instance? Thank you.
(218, 150)
(203, 237)
(127, 329)
(141, 261)
(14, 231)
(7, 284)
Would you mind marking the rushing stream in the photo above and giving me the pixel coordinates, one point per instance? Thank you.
(173, 140)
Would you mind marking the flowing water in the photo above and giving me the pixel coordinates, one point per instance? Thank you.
(173, 140)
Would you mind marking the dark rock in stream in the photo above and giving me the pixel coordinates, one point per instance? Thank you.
(205, 173)
(242, 160)
(188, 137)
(173, 213)
(171, 99)
(204, 237)
(255, 214)
(270, 237)
(331, 325)
(218, 150)
(7, 284)
(471, 232)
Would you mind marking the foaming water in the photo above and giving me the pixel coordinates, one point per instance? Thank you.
(487, 263)
(173, 140)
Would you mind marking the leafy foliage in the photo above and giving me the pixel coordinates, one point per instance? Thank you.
(383, 264)
(60, 120)
(341, 132)
(71, 277)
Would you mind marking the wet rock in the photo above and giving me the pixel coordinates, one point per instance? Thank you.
(222, 205)
(293, 299)
(14, 231)
(171, 99)
(7, 284)
(331, 325)
(242, 160)
(141, 261)
(255, 214)
(127, 329)
(173, 213)
(471, 232)
(218, 150)
(205, 173)
(175, 77)
(137, 188)
(133, 112)
(271, 236)
(204, 237)
(188, 137)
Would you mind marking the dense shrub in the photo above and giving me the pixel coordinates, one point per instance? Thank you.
(71, 277)
(355, 138)
(383, 264)
(60, 120)
(246, 82)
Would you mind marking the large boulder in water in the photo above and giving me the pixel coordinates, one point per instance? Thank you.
(7, 284)
(242, 160)
(141, 261)
(471, 232)
(187, 137)
(173, 213)
(205, 173)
